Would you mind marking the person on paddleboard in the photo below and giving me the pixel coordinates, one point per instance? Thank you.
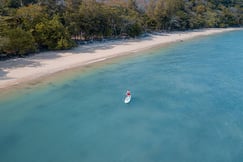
(128, 93)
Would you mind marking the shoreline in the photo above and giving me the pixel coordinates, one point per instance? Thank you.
(25, 70)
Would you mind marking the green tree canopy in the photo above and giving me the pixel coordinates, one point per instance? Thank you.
(54, 24)
(18, 41)
(51, 34)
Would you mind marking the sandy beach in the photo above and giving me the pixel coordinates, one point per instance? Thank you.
(16, 71)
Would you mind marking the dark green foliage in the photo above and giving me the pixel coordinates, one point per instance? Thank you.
(51, 34)
(17, 41)
(93, 20)
(134, 29)
(13, 3)
(27, 25)
(29, 16)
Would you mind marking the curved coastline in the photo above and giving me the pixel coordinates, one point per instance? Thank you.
(24, 70)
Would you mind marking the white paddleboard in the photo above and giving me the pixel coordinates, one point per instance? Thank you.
(128, 99)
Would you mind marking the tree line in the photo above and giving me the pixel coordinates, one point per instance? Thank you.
(28, 26)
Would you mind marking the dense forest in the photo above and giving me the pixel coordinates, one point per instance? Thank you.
(28, 26)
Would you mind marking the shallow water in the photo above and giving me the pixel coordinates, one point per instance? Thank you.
(187, 106)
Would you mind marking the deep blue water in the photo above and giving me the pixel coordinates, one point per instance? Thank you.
(187, 106)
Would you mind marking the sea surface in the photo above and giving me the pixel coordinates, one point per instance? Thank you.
(187, 106)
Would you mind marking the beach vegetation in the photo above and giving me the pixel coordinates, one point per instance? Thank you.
(35, 25)
(52, 35)
(17, 42)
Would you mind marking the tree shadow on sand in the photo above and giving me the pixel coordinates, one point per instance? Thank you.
(19, 62)
(107, 44)
(15, 63)
(3, 75)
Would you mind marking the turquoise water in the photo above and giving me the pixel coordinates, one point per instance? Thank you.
(187, 106)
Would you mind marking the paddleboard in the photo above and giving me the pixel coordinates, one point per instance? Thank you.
(128, 99)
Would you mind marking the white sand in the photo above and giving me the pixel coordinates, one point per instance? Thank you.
(13, 72)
